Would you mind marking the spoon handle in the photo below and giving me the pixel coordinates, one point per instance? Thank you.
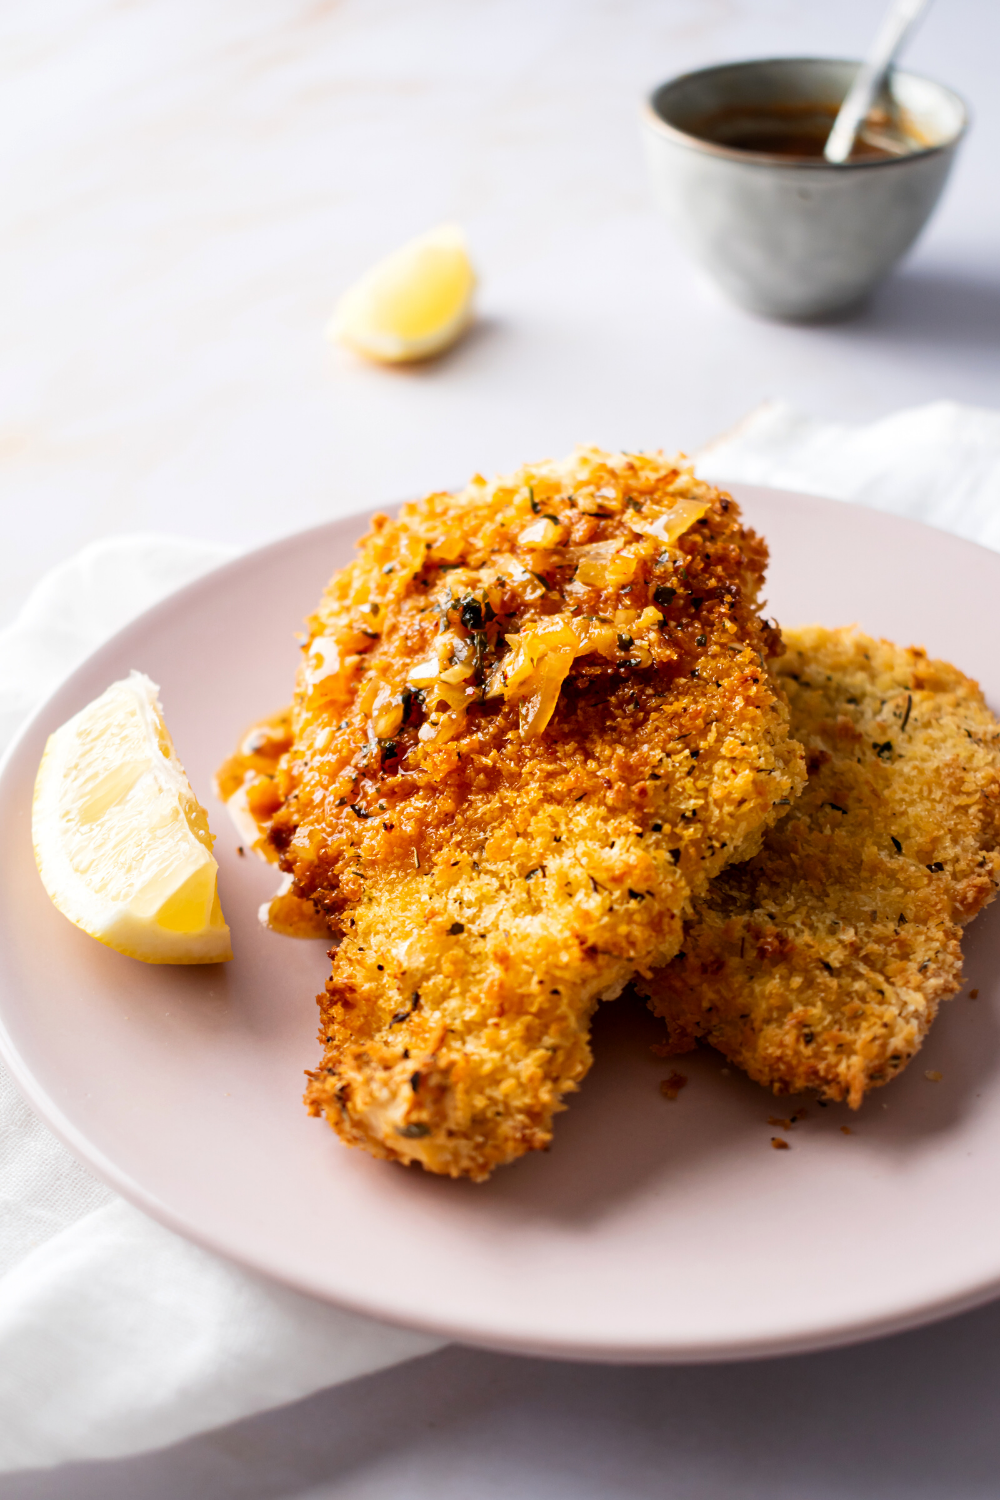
(870, 77)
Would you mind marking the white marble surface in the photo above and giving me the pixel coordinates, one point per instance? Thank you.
(187, 187)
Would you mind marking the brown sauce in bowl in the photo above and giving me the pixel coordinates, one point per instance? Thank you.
(799, 132)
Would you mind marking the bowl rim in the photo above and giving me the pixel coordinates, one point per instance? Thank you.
(655, 122)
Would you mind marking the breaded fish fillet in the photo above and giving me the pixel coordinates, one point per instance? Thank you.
(820, 963)
(532, 718)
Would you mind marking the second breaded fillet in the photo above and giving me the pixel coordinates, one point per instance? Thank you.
(533, 717)
(820, 963)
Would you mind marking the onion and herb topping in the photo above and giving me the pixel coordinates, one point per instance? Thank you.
(540, 581)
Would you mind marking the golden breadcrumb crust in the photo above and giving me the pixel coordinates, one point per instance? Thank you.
(532, 718)
(820, 963)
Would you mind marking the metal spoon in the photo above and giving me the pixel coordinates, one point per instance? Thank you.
(870, 78)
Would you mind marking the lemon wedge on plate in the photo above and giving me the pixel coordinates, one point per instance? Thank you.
(412, 304)
(121, 842)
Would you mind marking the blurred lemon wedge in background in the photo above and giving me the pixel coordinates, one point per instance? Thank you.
(121, 842)
(412, 304)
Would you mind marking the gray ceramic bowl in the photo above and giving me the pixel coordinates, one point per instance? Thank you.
(789, 237)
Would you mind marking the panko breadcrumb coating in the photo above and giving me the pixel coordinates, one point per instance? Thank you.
(532, 718)
(820, 963)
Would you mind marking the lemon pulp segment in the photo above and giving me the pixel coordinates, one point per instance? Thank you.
(121, 842)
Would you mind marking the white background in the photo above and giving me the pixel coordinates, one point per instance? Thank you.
(186, 188)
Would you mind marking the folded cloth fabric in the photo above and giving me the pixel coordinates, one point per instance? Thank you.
(938, 463)
(118, 1336)
(115, 1334)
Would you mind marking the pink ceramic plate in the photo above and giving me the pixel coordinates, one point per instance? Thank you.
(652, 1230)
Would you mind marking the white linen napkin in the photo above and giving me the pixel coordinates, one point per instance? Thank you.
(118, 1336)
(938, 463)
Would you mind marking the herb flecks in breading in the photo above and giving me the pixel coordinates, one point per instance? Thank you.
(820, 963)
